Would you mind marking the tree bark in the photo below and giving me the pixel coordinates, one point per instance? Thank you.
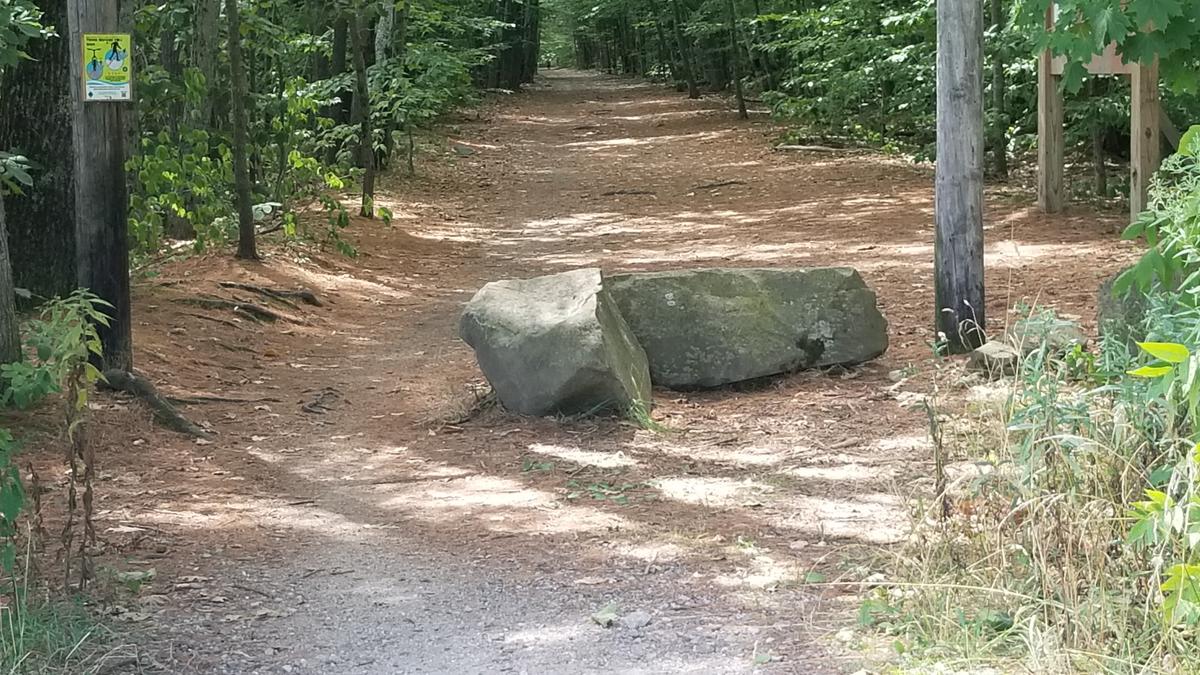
(735, 60)
(958, 256)
(341, 30)
(665, 53)
(532, 46)
(1099, 170)
(41, 222)
(10, 336)
(247, 246)
(384, 32)
(362, 107)
(101, 194)
(685, 50)
(999, 94)
(206, 35)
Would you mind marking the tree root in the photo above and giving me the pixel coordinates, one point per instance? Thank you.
(285, 296)
(618, 193)
(164, 412)
(209, 398)
(719, 184)
(224, 322)
(817, 148)
(255, 312)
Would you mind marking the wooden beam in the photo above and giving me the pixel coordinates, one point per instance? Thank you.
(1051, 140)
(101, 198)
(1171, 133)
(958, 245)
(1145, 147)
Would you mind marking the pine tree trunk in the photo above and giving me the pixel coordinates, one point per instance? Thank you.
(532, 30)
(247, 246)
(41, 223)
(999, 94)
(685, 50)
(98, 132)
(362, 107)
(10, 336)
(666, 54)
(206, 40)
(735, 60)
(341, 31)
(1099, 170)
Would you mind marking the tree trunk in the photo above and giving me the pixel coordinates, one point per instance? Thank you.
(101, 194)
(532, 46)
(402, 21)
(41, 223)
(362, 107)
(999, 94)
(247, 246)
(384, 31)
(206, 36)
(10, 335)
(685, 50)
(735, 60)
(341, 30)
(1100, 171)
(665, 54)
(958, 255)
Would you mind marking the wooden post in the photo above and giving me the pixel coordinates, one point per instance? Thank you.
(1051, 140)
(101, 195)
(1145, 151)
(958, 248)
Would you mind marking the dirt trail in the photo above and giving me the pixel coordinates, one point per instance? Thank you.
(377, 533)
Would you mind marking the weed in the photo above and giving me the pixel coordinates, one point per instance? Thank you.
(639, 413)
(617, 493)
(535, 465)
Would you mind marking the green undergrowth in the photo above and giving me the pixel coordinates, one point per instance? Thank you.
(1063, 534)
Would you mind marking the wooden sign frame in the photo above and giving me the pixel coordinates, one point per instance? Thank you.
(1145, 150)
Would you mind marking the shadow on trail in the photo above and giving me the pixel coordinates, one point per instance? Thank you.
(417, 545)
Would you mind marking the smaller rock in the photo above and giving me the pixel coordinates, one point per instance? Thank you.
(636, 620)
(995, 359)
(1060, 335)
(464, 150)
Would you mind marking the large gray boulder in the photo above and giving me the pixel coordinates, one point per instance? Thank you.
(707, 328)
(556, 345)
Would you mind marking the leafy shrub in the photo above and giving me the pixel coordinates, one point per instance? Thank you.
(61, 341)
(40, 634)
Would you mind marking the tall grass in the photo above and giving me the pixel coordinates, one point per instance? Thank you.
(1035, 568)
(41, 634)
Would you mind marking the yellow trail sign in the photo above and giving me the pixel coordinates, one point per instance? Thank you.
(107, 67)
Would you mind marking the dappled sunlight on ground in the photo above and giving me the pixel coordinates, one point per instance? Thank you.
(603, 460)
(406, 495)
(713, 492)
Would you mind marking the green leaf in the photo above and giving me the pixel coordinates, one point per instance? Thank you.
(1151, 372)
(1110, 25)
(1189, 143)
(1157, 13)
(1166, 351)
(606, 616)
